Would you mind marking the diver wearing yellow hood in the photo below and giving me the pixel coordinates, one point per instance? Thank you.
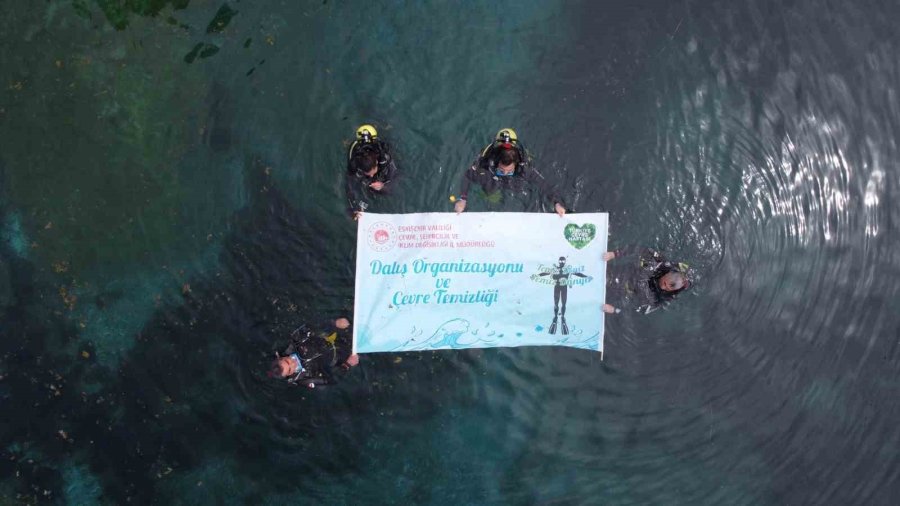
(370, 169)
(504, 164)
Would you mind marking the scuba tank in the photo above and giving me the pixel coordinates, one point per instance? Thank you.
(366, 133)
(314, 346)
(366, 137)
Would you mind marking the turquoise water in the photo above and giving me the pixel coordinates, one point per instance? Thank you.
(171, 207)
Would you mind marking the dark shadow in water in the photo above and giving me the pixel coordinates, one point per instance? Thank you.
(34, 383)
(194, 377)
(217, 131)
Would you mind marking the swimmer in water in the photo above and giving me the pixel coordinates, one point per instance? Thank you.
(504, 165)
(651, 283)
(371, 170)
(315, 356)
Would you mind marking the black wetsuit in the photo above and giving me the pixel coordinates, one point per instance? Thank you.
(323, 350)
(635, 285)
(484, 172)
(359, 194)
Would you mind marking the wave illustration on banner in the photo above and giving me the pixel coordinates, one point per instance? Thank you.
(454, 334)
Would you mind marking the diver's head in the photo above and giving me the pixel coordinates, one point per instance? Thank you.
(282, 367)
(673, 281)
(562, 261)
(365, 163)
(508, 160)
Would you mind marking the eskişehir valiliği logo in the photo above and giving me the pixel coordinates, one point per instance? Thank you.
(561, 276)
(381, 236)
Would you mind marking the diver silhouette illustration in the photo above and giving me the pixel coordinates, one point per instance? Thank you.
(559, 274)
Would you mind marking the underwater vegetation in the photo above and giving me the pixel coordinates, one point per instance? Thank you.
(119, 12)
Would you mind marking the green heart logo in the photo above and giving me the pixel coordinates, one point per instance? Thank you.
(580, 236)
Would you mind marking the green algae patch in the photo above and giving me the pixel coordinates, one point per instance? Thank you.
(108, 179)
(203, 50)
(209, 50)
(96, 165)
(192, 54)
(221, 19)
(119, 12)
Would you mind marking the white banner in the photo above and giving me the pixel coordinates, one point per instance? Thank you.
(479, 280)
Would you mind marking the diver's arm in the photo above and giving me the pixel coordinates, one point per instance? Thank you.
(389, 175)
(386, 168)
(626, 251)
(652, 257)
(343, 350)
(468, 176)
(619, 291)
(384, 154)
(354, 195)
(329, 375)
(642, 309)
(650, 307)
(350, 183)
(548, 191)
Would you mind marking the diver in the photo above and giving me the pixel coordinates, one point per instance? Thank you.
(650, 284)
(314, 357)
(504, 164)
(370, 169)
(560, 294)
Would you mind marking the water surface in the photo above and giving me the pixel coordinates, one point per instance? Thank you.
(171, 208)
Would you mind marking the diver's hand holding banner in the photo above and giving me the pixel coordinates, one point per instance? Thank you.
(479, 280)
